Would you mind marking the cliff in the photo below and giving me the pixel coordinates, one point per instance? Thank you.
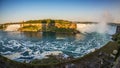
(48, 25)
(30, 27)
(118, 29)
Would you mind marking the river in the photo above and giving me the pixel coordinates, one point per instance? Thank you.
(20, 46)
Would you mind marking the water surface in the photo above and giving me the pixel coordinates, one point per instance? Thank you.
(22, 46)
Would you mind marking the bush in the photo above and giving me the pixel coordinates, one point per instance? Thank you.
(116, 37)
(1, 26)
(30, 28)
(50, 60)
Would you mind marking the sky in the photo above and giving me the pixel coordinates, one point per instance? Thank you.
(73, 10)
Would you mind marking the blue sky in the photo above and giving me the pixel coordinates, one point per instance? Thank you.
(75, 10)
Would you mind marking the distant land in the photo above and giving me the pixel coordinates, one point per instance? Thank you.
(47, 25)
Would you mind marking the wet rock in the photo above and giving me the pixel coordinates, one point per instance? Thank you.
(115, 52)
(70, 66)
(3, 64)
(111, 55)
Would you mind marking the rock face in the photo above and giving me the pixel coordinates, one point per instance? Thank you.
(42, 25)
(30, 27)
(53, 27)
(68, 25)
(118, 29)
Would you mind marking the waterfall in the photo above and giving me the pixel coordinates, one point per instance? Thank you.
(12, 27)
(88, 28)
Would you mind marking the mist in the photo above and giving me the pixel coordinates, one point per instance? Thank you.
(101, 27)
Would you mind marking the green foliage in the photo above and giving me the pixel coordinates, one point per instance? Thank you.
(43, 21)
(51, 60)
(30, 28)
(33, 21)
(47, 21)
(116, 37)
(1, 27)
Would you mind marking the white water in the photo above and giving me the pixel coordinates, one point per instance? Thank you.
(19, 47)
(86, 28)
(13, 27)
(100, 28)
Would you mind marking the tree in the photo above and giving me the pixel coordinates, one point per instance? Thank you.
(116, 37)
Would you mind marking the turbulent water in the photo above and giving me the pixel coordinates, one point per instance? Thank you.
(13, 27)
(22, 46)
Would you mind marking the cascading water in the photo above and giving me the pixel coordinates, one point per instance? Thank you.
(12, 27)
(86, 28)
(99, 28)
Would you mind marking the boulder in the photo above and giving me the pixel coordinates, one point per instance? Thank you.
(111, 55)
(115, 52)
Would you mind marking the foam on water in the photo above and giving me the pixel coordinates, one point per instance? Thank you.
(25, 48)
(13, 56)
